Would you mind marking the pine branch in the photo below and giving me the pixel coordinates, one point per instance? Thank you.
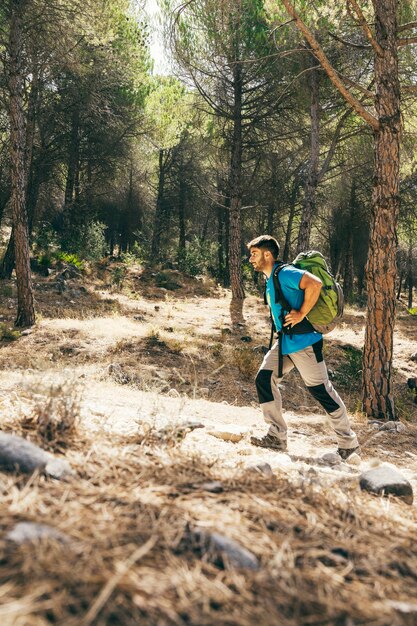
(365, 26)
(404, 27)
(332, 74)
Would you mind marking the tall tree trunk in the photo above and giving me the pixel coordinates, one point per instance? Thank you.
(158, 225)
(235, 187)
(73, 157)
(410, 278)
(348, 273)
(381, 265)
(310, 188)
(400, 285)
(25, 302)
(288, 232)
(8, 260)
(181, 215)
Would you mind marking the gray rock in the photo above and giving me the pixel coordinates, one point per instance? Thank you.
(262, 468)
(221, 550)
(331, 459)
(414, 356)
(59, 469)
(386, 481)
(19, 454)
(28, 532)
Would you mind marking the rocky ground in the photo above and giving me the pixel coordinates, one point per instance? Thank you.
(146, 388)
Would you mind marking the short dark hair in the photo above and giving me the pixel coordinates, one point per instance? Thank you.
(267, 243)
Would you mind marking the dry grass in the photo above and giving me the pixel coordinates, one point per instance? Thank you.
(328, 555)
(52, 412)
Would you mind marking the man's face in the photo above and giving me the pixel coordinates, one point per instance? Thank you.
(257, 259)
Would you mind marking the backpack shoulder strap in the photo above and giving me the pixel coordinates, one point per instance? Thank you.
(279, 295)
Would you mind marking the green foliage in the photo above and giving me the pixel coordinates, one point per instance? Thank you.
(70, 259)
(198, 257)
(6, 291)
(166, 281)
(137, 254)
(7, 333)
(118, 276)
(412, 311)
(86, 241)
(349, 371)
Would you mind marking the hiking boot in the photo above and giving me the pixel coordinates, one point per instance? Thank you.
(269, 441)
(345, 453)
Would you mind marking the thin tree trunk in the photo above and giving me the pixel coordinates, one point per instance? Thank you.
(159, 211)
(288, 232)
(410, 278)
(7, 262)
(400, 285)
(25, 302)
(310, 188)
(348, 273)
(235, 186)
(73, 157)
(181, 215)
(381, 266)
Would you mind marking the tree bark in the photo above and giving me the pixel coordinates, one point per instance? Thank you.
(181, 215)
(410, 278)
(235, 187)
(25, 301)
(381, 265)
(288, 232)
(310, 188)
(73, 157)
(348, 272)
(159, 210)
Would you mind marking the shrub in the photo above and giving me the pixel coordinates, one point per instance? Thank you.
(55, 412)
(7, 333)
(198, 257)
(86, 241)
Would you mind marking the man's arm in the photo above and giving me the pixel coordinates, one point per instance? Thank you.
(311, 285)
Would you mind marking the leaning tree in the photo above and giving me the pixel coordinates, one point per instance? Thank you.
(382, 38)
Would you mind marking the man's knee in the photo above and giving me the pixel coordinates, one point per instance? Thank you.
(263, 386)
(321, 394)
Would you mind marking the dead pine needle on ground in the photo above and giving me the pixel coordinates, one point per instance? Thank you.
(111, 387)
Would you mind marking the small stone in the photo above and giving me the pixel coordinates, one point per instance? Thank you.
(26, 332)
(157, 307)
(414, 356)
(213, 486)
(173, 393)
(246, 339)
(263, 468)
(331, 459)
(385, 481)
(19, 454)
(260, 350)
(28, 532)
(221, 550)
(354, 460)
(227, 434)
(59, 469)
(139, 318)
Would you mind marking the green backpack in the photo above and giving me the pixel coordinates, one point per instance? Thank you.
(328, 310)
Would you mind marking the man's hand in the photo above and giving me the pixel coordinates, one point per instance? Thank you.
(293, 317)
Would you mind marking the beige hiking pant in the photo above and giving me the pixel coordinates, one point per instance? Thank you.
(312, 368)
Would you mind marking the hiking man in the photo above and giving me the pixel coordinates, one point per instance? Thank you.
(301, 347)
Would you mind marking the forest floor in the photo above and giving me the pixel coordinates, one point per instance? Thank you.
(130, 372)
